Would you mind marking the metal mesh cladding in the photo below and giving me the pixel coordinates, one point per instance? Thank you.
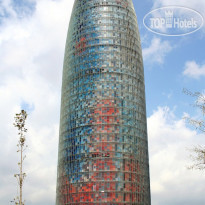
(103, 150)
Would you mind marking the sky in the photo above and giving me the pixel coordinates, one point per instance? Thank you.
(32, 42)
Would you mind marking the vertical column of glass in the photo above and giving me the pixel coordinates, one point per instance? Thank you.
(103, 151)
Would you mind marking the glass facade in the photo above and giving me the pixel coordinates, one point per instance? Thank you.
(103, 150)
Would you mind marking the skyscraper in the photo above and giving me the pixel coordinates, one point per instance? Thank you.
(103, 150)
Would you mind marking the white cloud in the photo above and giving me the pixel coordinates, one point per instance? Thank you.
(157, 51)
(171, 182)
(31, 56)
(195, 4)
(6, 8)
(194, 70)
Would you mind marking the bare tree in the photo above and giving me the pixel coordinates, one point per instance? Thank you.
(20, 120)
(198, 157)
(199, 103)
(197, 152)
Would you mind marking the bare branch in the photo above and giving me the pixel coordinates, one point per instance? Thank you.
(198, 152)
(200, 103)
(198, 157)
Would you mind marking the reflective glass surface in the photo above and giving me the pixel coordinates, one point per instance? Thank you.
(103, 150)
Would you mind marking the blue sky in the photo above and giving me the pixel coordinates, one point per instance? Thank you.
(165, 80)
(32, 41)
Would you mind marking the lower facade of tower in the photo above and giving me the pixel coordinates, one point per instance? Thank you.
(102, 164)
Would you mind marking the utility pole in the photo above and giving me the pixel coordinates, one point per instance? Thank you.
(20, 120)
